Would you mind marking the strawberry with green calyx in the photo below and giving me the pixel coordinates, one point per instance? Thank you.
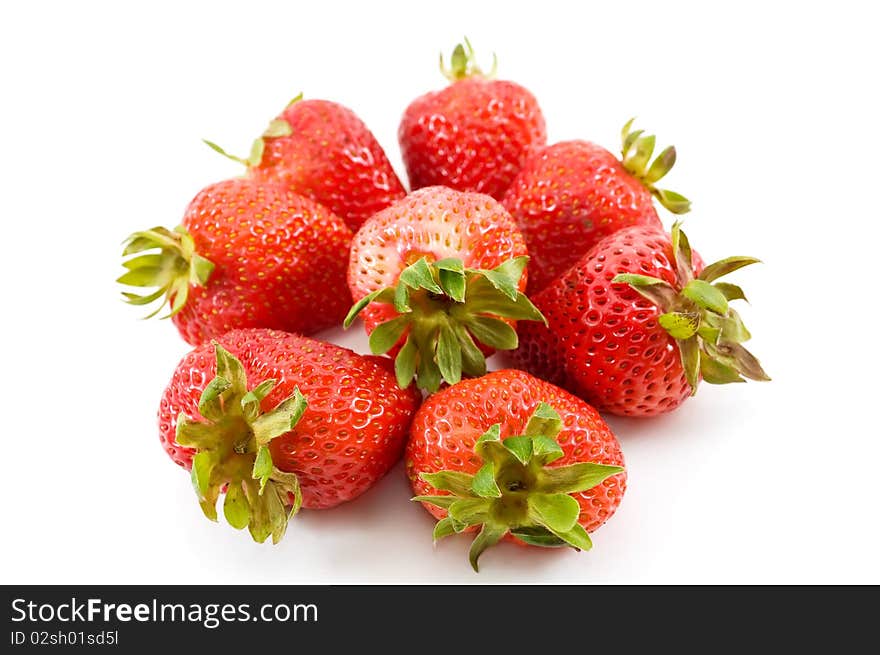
(570, 195)
(246, 254)
(437, 278)
(444, 311)
(546, 471)
(279, 421)
(473, 135)
(515, 491)
(636, 323)
(708, 331)
(232, 444)
(322, 150)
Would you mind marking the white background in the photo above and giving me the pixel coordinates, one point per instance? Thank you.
(773, 108)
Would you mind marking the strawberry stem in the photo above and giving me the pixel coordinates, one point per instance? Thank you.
(277, 128)
(231, 439)
(463, 63)
(171, 270)
(636, 152)
(443, 310)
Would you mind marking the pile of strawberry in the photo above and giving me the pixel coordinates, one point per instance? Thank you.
(621, 316)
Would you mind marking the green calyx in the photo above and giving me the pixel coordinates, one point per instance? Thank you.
(277, 128)
(516, 492)
(463, 64)
(637, 151)
(708, 331)
(442, 309)
(232, 444)
(170, 271)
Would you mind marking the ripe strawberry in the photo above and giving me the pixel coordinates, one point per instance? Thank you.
(503, 481)
(570, 195)
(323, 151)
(438, 280)
(634, 325)
(474, 135)
(247, 254)
(277, 420)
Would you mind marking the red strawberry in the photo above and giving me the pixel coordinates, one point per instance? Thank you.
(438, 279)
(322, 150)
(550, 487)
(632, 329)
(474, 135)
(277, 421)
(570, 195)
(247, 254)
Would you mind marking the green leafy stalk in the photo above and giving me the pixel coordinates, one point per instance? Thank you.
(166, 261)
(276, 128)
(231, 439)
(636, 152)
(463, 63)
(516, 491)
(708, 331)
(443, 311)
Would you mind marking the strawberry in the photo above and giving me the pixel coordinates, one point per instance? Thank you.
(280, 421)
(637, 322)
(438, 280)
(475, 134)
(322, 150)
(516, 456)
(247, 254)
(570, 195)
